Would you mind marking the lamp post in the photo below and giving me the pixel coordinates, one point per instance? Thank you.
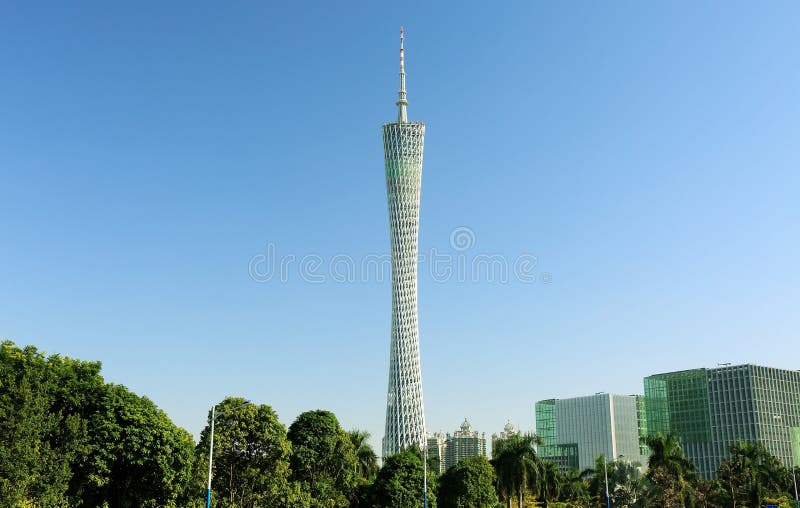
(211, 448)
(605, 471)
(425, 475)
(777, 418)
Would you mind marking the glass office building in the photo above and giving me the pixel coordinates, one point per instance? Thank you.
(711, 409)
(576, 431)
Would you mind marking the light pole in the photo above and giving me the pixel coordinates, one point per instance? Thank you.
(425, 475)
(211, 448)
(791, 448)
(605, 471)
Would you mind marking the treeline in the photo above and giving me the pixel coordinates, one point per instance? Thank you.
(69, 439)
(750, 477)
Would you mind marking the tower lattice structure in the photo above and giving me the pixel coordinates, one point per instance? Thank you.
(402, 147)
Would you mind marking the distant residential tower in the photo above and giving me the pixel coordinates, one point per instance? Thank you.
(448, 450)
(402, 149)
(464, 443)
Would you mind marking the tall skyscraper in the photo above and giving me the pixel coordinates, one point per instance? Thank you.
(402, 148)
(712, 409)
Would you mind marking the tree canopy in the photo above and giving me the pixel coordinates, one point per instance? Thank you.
(400, 482)
(468, 484)
(69, 439)
(517, 467)
(323, 461)
(669, 472)
(366, 457)
(251, 456)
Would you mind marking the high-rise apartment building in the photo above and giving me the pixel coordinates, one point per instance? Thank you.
(711, 409)
(402, 148)
(576, 431)
(508, 431)
(437, 444)
(462, 444)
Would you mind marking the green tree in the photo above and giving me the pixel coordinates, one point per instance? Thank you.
(139, 457)
(575, 488)
(734, 475)
(468, 484)
(323, 459)
(517, 467)
(627, 484)
(69, 439)
(669, 471)
(709, 494)
(251, 457)
(41, 437)
(751, 474)
(399, 483)
(551, 482)
(367, 459)
(597, 479)
(367, 467)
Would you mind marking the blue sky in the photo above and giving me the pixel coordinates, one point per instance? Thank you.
(646, 155)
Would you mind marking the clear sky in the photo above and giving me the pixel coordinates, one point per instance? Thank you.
(153, 155)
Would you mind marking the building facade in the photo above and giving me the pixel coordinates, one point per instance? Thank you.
(508, 431)
(576, 431)
(403, 147)
(436, 447)
(462, 444)
(712, 409)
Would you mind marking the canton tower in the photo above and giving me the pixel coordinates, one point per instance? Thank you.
(402, 152)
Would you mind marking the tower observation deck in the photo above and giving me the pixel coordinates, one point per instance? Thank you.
(402, 148)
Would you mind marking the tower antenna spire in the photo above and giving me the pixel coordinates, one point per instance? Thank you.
(402, 103)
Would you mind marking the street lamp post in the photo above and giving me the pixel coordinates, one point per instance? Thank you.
(605, 471)
(211, 448)
(425, 476)
(210, 455)
(791, 448)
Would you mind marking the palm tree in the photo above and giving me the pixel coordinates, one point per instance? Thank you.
(517, 467)
(627, 485)
(707, 492)
(751, 472)
(504, 468)
(575, 487)
(666, 451)
(668, 469)
(597, 478)
(367, 463)
(551, 482)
